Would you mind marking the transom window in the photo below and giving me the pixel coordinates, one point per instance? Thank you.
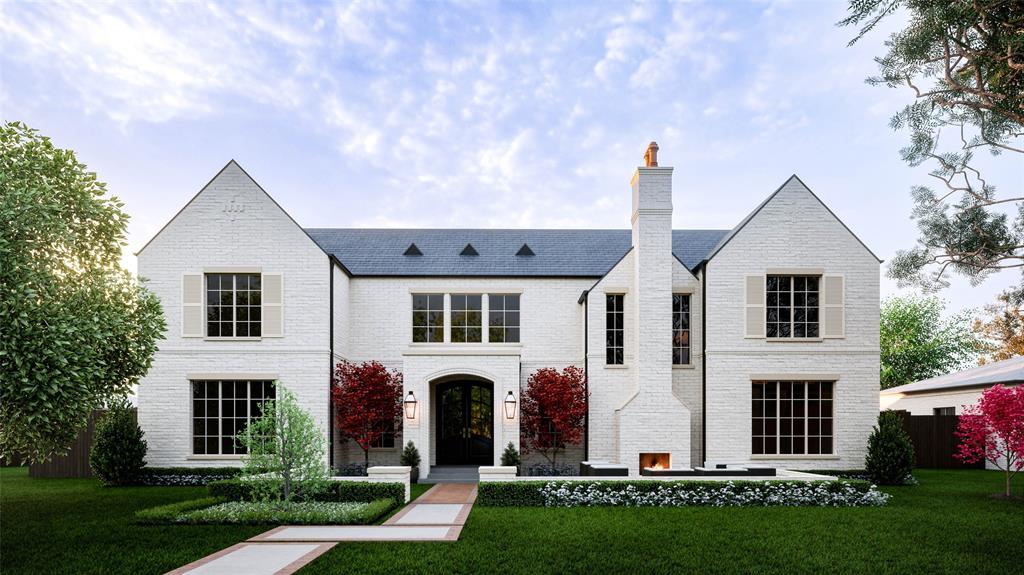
(791, 308)
(428, 317)
(503, 322)
(233, 305)
(792, 418)
(680, 329)
(221, 410)
(615, 333)
(467, 310)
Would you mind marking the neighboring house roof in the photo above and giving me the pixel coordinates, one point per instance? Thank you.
(1008, 371)
(557, 253)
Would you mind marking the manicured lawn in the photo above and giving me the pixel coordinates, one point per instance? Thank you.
(946, 524)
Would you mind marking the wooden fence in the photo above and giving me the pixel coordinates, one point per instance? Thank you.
(935, 441)
(76, 462)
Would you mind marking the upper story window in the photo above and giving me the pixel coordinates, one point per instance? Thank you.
(615, 333)
(792, 418)
(428, 317)
(221, 410)
(503, 322)
(466, 317)
(680, 329)
(791, 306)
(233, 305)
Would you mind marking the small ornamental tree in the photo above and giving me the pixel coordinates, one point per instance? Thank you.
(890, 451)
(993, 430)
(118, 451)
(510, 457)
(285, 450)
(554, 407)
(367, 401)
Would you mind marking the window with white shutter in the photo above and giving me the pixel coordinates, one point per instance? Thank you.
(833, 308)
(754, 306)
(273, 304)
(192, 305)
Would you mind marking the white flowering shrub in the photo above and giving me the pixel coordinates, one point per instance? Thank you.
(713, 494)
(267, 512)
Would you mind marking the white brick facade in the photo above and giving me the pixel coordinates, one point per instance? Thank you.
(644, 405)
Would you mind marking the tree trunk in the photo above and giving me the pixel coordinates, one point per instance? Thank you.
(366, 461)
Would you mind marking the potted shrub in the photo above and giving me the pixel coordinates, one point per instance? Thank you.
(411, 457)
(510, 457)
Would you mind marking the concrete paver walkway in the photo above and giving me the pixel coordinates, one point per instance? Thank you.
(437, 515)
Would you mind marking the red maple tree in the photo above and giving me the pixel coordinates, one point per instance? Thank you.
(554, 407)
(993, 429)
(367, 400)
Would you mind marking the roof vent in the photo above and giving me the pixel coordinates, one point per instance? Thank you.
(469, 250)
(525, 251)
(412, 250)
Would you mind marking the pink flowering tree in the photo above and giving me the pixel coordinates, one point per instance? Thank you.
(993, 430)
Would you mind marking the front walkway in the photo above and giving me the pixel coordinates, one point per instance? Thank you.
(437, 515)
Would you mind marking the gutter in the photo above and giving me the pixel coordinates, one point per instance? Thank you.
(704, 363)
(586, 373)
(330, 367)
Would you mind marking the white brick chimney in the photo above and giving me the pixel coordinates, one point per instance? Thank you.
(653, 420)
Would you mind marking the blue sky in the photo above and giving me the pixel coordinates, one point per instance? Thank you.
(470, 114)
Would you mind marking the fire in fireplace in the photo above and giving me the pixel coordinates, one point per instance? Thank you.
(655, 460)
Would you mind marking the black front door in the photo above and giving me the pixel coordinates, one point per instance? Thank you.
(465, 423)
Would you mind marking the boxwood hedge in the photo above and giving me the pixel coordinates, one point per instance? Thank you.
(185, 476)
(337, 491)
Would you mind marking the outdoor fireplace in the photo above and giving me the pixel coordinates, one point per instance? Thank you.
(655, 461)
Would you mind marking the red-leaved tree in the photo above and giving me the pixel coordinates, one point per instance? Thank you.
(367, 400)
(993, 430)
(553, 410)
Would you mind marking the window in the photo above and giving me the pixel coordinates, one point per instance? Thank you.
(221, 410)
(944, 411)
(233, 305)
(386, 440)
(792, 418)
(680, 329)
(428, 317)
(791, 306)
(614, 330)
(466, 317)
(503, 323)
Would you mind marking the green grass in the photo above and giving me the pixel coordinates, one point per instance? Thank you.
(947, 524)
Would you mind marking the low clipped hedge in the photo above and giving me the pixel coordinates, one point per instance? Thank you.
(213, 510)
(662, 493)
(185, 476)
(168, 513)
(337, 491)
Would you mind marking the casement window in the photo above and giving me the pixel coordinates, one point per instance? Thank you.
(234, 305)
(615, 332)
(680, 329)
(944, 411)
(467, 310)
(220, 411)
(386, 440)
(792, 418)
(791, 306)
(503, 320)
(428, 318)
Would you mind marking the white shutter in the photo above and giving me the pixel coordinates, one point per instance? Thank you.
(191, 305)
(833, 313)
(754, 307)
(273, 300)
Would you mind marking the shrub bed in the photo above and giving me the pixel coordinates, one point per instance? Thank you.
(211, 510)
(336, 491)
(185, 476)
(680, 493)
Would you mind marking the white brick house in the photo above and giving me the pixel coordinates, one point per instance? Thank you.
(758, 343)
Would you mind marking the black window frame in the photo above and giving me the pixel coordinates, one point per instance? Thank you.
(238, 300)
(221, 411)
(503, 320)
(681, 331)
(467, 311)
(387, 439)
(431, 323)
(615, 329)
(785, 411)
(792, 306)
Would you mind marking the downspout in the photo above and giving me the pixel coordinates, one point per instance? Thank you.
(704, 365)
(330, 372)
(586, 375)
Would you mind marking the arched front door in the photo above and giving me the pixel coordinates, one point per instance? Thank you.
(465, 423)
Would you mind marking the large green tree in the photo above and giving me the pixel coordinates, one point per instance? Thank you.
(76, 329)
(918, 343)
(962, 61)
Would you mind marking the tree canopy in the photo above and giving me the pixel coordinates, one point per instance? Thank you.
(917, 343)
(77, 331)
(1002, 329)
(963, 63)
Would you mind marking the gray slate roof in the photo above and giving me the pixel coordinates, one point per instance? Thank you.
(1007, 371)
(559, 253)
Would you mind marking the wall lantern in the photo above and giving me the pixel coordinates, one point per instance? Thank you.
(410, 406)
(510, 406)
